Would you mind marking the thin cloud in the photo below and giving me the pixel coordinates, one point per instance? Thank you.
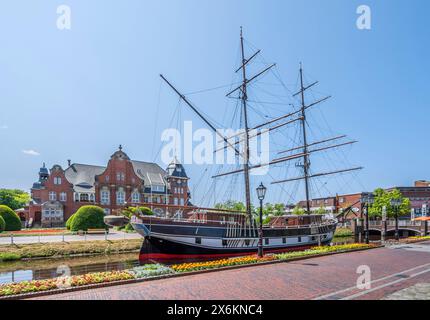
(4, 127)
(31, 152)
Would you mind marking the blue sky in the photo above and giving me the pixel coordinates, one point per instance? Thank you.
(77, 94)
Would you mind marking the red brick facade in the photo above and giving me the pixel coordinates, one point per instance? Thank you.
(123, 182)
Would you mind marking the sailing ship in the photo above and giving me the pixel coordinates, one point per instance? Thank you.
(211, 233)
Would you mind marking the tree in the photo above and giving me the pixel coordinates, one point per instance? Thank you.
(13, 223)
(14, 198)
(2, 224)
(382, 198)
(321, 210)
(298, 211)
(231, 205)
(88, 217)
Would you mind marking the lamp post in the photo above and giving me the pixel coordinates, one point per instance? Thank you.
(261, 193)
(424, 214)
(395, 203)
(366, 200)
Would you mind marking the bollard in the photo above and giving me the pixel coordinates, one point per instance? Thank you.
(39, 238)
(319, 240)
(85, 235)
(106, 235)
(63, 237)
(11, 238)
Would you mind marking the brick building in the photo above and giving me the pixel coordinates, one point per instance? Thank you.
(123, 182)
(350, 204)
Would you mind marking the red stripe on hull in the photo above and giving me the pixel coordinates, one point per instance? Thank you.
(167, 256)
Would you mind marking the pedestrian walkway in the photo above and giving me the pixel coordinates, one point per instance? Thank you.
(329, 277)
(113, 235)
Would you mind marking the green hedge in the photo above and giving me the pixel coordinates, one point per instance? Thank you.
(13, 222)
(88, 217)
(69, 221)
(2, 224)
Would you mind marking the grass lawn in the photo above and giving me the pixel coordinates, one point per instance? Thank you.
(53, 250)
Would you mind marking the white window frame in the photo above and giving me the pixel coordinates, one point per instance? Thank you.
(135, 197)
(63, 196)
(104, 197)
(120, 197)
(52, 196)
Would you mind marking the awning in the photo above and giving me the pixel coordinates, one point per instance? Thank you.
(422, 219)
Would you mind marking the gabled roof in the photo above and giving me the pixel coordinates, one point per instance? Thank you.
(176, 169)
(82, 176)
(150, 173)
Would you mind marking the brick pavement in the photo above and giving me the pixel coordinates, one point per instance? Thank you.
(306, 279)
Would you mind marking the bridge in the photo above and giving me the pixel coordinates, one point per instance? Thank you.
(407, 228)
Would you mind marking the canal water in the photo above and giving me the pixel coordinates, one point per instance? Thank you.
(17, 271)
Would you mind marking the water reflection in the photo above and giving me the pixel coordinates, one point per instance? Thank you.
(48, 268)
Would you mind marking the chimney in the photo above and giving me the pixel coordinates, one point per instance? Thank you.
(69, 162)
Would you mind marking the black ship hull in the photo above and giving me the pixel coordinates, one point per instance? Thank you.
(187, 241)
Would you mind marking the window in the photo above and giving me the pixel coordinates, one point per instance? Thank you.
(118, 176)
(266, 241)
(57, 180)
(120, 197)
(181, 201)
(106, 211)
(341, 200)
(247, 242)
(63, 196)
(52, 196)
(175, 201)
(107, 178)
(91, 197)
(224, 242)
(104, 197)
(84, 197)
(198, 240)
(135, 197)
(157, 188)
(299, 239)
(284, 240)
(76, 196)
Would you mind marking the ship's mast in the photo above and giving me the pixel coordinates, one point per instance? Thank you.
(244, 99)
(306, 162)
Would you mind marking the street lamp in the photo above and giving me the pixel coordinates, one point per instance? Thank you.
(395, 203)
(261, 193)
(366, 200)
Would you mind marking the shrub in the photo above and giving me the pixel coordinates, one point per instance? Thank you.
(13, 223)
(2, 224)
(343, 232)
(145, 211)
(88, 217)
(6, 256)
(69, 221)
(128, 227)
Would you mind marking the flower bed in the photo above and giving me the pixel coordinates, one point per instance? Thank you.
(184, 267)
(322, 250)
(151, 270)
